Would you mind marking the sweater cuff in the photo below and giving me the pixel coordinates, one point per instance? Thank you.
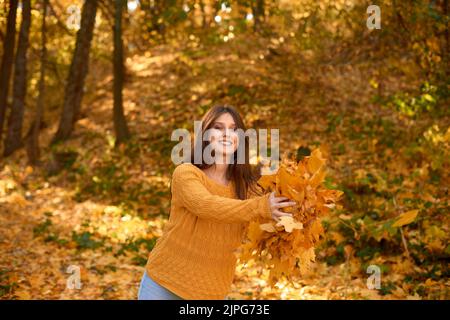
(265, 210)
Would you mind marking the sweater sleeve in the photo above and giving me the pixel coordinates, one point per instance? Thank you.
(189, 191)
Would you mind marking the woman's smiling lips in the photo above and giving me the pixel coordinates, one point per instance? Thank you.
(226, 142)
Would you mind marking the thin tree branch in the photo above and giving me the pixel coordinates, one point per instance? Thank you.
(59, 22)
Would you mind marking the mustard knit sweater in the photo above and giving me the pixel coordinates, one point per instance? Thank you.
(194, 258)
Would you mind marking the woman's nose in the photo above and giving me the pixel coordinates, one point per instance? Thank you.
(227, 132)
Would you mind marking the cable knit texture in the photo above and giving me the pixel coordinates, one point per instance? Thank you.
(195, 257)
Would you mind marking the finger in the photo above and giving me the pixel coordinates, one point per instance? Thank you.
(279, 199)
(284, 204)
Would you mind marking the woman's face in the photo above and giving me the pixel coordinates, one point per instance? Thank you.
(223, 136)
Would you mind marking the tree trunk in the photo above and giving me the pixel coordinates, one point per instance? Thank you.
(202, 9)
(77, 74)
(14, 135)
(33, 136)
(258, 14)
(7, 60)
(446, 47)
(120, 124)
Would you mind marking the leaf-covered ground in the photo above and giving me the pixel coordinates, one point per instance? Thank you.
(101, 208)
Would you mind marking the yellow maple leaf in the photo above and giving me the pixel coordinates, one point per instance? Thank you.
(289, 224)
(315, 162)
(254, 231)
(267, 181)
(269, 227)
(406, 218)
(318, 177)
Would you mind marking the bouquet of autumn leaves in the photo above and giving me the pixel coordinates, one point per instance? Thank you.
(286, 247)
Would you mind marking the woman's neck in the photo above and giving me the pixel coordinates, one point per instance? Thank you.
(218, 172)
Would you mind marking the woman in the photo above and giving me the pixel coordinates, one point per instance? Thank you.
(210, 208)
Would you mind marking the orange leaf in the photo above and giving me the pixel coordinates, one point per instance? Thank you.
(406, 218)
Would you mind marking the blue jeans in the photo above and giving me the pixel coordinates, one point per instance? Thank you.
(150, 290)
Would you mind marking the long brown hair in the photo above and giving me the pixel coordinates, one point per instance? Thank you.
(242, 175)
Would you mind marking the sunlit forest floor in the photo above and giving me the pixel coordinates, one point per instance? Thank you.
(101, 208)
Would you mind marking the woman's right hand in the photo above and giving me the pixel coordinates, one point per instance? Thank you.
(276, 203)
